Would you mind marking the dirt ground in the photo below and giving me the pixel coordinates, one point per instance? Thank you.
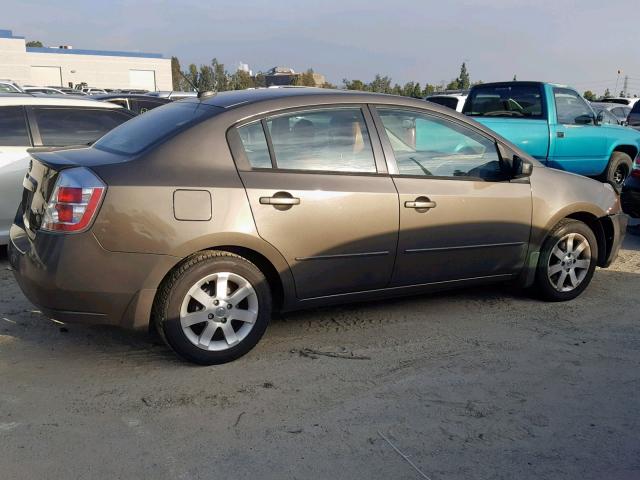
(476, 384)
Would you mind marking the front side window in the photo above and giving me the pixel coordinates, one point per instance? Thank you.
(335, 140)
(571, 109)
(424, 145)
(61, 127)
(13, 128)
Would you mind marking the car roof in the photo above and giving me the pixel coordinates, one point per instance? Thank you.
(59, 100)
(237, 98)
(141, 96)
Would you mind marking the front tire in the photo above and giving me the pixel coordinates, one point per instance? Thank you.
(620, 165)
(567, 261)
(213, 308)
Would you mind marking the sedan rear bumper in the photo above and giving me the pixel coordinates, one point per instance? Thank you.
(73, 279)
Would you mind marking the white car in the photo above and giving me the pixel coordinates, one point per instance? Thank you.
(28, 121)
(629, 102)
(7, 86)
(452, 100)
(44, 90)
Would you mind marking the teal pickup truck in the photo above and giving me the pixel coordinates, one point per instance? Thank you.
(554, 124)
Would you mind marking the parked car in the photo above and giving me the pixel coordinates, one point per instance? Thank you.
(630, 102)
(175, 95)
(93, 91)
(204, 216)
(630, 195)
(633, 120)
(555, 125)
(453, 101)
(7, 86)
(70, 91)
(135, 103)
(28, 121)
(617, 111)
(43, 90)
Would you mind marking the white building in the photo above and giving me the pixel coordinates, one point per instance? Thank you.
(67, 66)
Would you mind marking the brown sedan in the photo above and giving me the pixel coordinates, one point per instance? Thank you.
(204, 216)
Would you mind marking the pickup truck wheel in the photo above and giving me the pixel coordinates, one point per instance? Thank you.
(213, 308)
(620, 165)
(567, 261)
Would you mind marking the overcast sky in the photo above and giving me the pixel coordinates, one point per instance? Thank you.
(580, 42)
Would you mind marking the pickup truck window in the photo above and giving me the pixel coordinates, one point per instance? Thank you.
(571, 109)
(505, 101)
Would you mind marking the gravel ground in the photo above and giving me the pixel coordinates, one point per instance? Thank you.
(476, 384)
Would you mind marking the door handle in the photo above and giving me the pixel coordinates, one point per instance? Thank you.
(421, 203)
(279, 201)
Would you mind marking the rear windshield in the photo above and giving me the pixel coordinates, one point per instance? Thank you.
(158, 124)
(505, 101)
(451, 102)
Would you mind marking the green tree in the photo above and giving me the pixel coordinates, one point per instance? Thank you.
(464, 81)
(380, 84)
(396, 90)
(193, 76)
(34, 43)
(176, 74)
(453, 85)
(428, 90)
(607, 93)
(328, 85)
(220, 76)
(417, 91)
(354, 84)
(205, 79)
(589, 95)
(241, 80)
(407, 90)
(259, 80)
(306, 79)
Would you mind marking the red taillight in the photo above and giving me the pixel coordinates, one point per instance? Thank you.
(75, 201)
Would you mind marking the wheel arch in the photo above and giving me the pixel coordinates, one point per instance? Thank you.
(602, 228)
(262, 254)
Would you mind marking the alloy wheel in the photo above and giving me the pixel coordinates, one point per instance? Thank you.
(569, 262)
(219, 311)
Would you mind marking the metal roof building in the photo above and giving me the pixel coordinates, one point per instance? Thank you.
(66, 66)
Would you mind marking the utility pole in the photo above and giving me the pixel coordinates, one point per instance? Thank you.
(615, 90)
(626, 83)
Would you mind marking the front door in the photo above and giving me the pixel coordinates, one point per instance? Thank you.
(460, 217)
(578, 145)
(318, 196)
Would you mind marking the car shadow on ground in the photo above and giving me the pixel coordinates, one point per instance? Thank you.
(22, 325)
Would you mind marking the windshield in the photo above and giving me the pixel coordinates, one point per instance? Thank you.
(153, 127)
(505, 101)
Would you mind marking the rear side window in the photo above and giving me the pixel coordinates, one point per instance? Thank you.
(151, 128)
(13, 127)
(61, 127)
(255, 145)
(505, 101)
(451, 102)
(333, 140)
(141, 106)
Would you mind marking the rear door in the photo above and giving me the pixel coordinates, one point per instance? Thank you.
(320, 194)
(14, 160)
(460, 216)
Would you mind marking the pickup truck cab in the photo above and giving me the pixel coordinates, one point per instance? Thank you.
(554, 124)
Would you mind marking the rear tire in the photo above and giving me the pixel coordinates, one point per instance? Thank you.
(620, 165)
(567, 261)
(213, 308)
